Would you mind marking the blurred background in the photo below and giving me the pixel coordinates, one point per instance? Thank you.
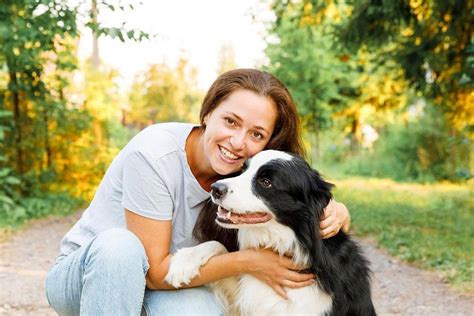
(384, 88)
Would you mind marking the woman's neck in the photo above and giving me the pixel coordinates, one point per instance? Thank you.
(198, 162)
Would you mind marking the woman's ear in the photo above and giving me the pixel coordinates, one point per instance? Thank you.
(205, 119)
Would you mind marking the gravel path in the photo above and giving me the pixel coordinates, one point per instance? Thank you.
(398, 289)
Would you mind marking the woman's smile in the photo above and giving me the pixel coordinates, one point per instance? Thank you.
(228, 155)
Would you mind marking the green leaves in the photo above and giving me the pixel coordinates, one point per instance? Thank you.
(305, 60)
(38, 122)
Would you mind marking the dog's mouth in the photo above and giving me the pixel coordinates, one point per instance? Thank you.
(228, 217)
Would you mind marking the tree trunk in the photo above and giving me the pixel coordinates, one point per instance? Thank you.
(95, 40)
(17, 119)
(356, 132)
(47, 144)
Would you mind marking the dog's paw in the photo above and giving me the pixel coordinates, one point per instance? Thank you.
(185, 264)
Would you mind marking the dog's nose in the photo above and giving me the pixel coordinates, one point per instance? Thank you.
(218, 190)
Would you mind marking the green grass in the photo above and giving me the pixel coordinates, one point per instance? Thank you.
(431, 225)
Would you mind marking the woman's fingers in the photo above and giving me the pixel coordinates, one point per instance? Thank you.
(331, 230)
(297, 285)
(298, 277)
(329, 216)
(280, 290)
(327, 222)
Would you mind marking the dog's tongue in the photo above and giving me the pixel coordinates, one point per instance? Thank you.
(248, 218)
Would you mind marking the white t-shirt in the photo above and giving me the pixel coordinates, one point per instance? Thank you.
(150, 177)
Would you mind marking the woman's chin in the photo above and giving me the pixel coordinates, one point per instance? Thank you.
(223, 168)
(223, 171)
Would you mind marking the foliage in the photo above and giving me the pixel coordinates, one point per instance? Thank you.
(164, 94)
(419, 148)
(302, 58)
(373, 58)
(423, 224)
(430, 40)
(38, 205)
(326, 82)
(8, 181)
(44, 132)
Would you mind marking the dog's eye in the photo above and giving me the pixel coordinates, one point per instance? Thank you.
(264, 182)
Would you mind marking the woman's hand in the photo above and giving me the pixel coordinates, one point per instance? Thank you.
(275, 270)
(335, 217)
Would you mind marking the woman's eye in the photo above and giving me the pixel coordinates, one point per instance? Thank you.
(229, 121)
(257, 135)
(264, 182)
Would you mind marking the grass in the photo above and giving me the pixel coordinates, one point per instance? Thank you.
(431, 225)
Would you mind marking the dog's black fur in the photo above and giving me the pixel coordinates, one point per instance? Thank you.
(298, 196)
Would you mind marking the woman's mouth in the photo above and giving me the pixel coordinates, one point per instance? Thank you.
(228, 155)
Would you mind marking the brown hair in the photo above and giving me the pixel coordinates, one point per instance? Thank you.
(286, 135)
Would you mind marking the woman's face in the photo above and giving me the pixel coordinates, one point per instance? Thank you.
(238, 128)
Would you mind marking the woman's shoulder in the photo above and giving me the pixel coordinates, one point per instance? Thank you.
(171, 129)
(161, 139)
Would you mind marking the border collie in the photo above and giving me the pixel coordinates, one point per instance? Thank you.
(276, 203)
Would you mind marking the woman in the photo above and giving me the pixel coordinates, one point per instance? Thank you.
(114, 259)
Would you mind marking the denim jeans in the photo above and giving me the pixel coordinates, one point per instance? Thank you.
(107, 277)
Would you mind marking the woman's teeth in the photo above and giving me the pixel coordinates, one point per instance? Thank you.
(228, 154)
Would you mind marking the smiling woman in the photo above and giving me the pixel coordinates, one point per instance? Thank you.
(154, 200)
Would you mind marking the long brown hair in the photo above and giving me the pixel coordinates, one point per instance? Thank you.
(286, 135)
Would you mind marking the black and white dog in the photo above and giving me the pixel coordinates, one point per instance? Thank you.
(276, 203)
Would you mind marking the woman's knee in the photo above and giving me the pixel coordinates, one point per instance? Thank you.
(193, 301)
(117, 246)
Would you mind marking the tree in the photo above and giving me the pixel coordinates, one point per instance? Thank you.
(164, 94)
(430, 40)
(425, 45)
(322, 81)
(38, 123)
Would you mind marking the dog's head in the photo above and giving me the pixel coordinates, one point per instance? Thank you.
(274, 186)
(278, 190)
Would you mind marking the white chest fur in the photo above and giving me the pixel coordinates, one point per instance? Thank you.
(255, 297)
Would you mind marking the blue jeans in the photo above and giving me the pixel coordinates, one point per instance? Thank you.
(107, 277)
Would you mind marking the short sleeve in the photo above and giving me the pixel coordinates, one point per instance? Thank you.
(144, 191)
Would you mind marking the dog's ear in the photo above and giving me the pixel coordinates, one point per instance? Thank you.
(320, 192)
(321, 262)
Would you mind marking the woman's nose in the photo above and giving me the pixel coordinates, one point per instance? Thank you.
(238, 141)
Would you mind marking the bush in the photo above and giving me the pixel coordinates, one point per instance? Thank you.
(37, 205)
(424, 150)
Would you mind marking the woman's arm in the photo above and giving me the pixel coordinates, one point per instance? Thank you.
(336, 217)
(264, 264)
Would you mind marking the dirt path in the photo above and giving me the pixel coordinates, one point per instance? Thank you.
(398, 289)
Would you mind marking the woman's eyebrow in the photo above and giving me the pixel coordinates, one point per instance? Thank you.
(235, 115)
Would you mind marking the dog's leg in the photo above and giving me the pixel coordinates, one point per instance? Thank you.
(185, 264)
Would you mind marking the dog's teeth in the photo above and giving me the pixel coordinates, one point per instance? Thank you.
(229, 215)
